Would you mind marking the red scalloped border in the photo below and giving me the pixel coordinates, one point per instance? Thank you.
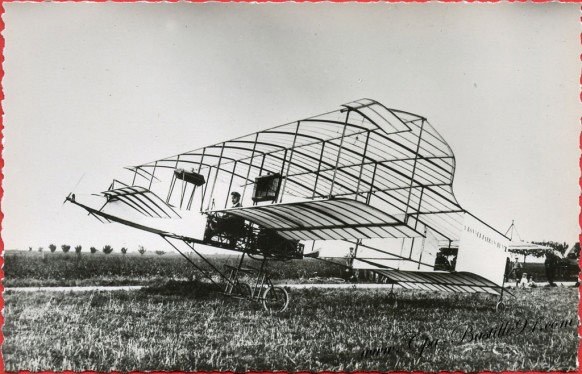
(2, 44)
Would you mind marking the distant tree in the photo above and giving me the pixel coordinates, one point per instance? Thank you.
(123, 250)
(107, 249)
(160, 252)
(40, 249)
(560, 247)
(30, 249)
(93, 250)
(65, 248)
(575, 253)
(141, 250)
(52, 247)
(78, 249)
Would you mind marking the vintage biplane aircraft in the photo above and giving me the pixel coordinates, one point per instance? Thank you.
(367, 183)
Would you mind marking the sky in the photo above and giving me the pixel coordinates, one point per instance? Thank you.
(93, 87)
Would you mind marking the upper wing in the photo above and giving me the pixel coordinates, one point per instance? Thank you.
(388, 159)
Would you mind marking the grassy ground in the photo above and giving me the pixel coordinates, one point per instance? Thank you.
(190, 329)
(34, 269)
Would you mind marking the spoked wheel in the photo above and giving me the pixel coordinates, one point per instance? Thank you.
(500, 307)
(275, 299)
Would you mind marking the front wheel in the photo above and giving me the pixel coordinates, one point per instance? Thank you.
(275, 299)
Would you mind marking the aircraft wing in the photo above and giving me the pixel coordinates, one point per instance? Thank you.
(335, 219)
(529, 247)
(393, 160)
(441, 281)
(141, 200)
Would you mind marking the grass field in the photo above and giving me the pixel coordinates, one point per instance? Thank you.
(187, 328)
(34, 269)
(25, 269)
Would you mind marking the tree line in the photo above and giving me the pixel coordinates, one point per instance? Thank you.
(107, 249)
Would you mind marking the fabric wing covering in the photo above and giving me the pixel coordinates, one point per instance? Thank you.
(141, 200)
(334, 219)
(526, 246)
(441, 281)
(392, 159)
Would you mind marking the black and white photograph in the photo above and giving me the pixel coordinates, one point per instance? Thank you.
(297, 187)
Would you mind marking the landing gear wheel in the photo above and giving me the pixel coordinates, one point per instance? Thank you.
(275, 299)
(500, 307)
